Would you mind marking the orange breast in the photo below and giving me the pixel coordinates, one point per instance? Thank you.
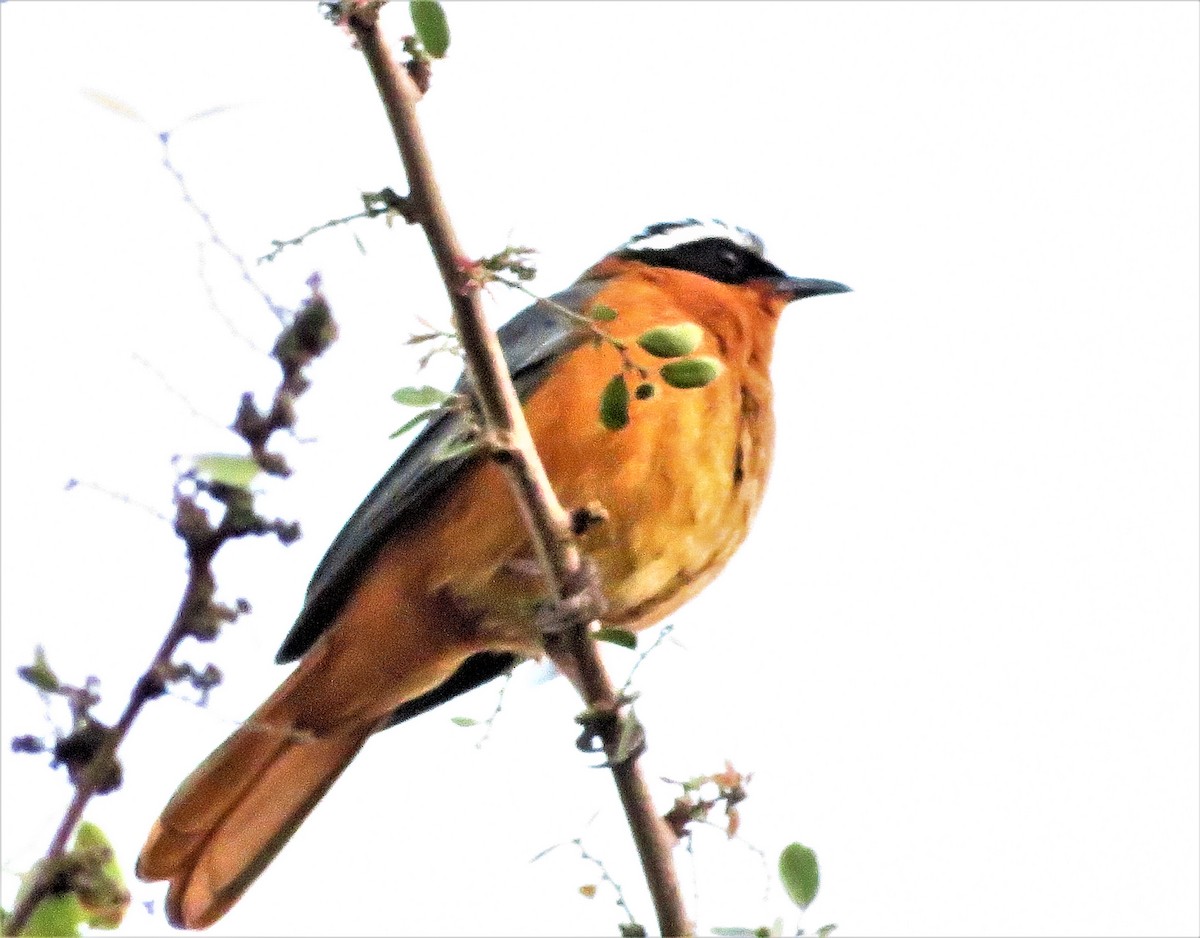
(680, 483)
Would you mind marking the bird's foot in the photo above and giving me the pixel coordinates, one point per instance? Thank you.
(616, 732)
(582, 603)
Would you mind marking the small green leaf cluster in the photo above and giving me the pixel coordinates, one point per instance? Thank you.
(229, 469)
(685, 371)
(514, 259)
(95, 895)
(432, 401)
(676, 342)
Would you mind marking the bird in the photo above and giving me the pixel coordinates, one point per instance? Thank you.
(431, 589)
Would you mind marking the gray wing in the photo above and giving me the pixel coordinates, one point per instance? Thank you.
(532, 341)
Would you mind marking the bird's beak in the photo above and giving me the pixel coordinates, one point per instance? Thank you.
(797, 288)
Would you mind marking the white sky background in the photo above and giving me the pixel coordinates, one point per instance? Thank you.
(959, 650)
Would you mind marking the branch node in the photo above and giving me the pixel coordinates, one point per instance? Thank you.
(585, 518)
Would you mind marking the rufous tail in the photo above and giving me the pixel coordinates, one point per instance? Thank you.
(231, 816)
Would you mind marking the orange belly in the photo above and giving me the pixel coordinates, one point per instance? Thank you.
(680, 483)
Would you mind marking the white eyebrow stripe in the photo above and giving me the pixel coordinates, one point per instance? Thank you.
(670, 235)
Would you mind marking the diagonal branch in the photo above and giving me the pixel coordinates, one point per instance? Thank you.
(547, 521)
(304, 337)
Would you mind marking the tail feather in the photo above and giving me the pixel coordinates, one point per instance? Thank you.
(236, 811)
(231, 817)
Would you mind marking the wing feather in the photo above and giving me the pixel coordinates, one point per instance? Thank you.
(532, 341)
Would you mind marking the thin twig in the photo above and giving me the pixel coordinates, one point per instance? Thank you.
(116, 496)
(176, 393)
(545, 518)
(383, 202)
(306, 336)
(621, 903)
(299, 239)
(215, 236)
(768, 877)
(662, 635)
(210, 294)
(491, 720)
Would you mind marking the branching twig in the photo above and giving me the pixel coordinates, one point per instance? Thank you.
(211, 296)
(604, 875)
(662, 636)
(490, 722)
(384, 202)
(547, 521)
(176, 393)
(116, 496)
(305, 337)
(279, 312)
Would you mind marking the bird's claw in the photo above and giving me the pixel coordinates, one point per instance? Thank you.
(601, 725)
(582, 603)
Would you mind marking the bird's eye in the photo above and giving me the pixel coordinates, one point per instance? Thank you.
(730, 259)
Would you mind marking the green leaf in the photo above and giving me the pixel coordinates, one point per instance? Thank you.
(735, 932)
(616, 637)
(614, 404)
(419, 418)
(671, 341)
(798, 870)
(826, 930)
(644, 391)
(424, 396)
(602, 313)
(430, 21)
(105, 901)
(691, 372)
(39, 673)
(463, 721)
(56, 917)
(237, 471)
